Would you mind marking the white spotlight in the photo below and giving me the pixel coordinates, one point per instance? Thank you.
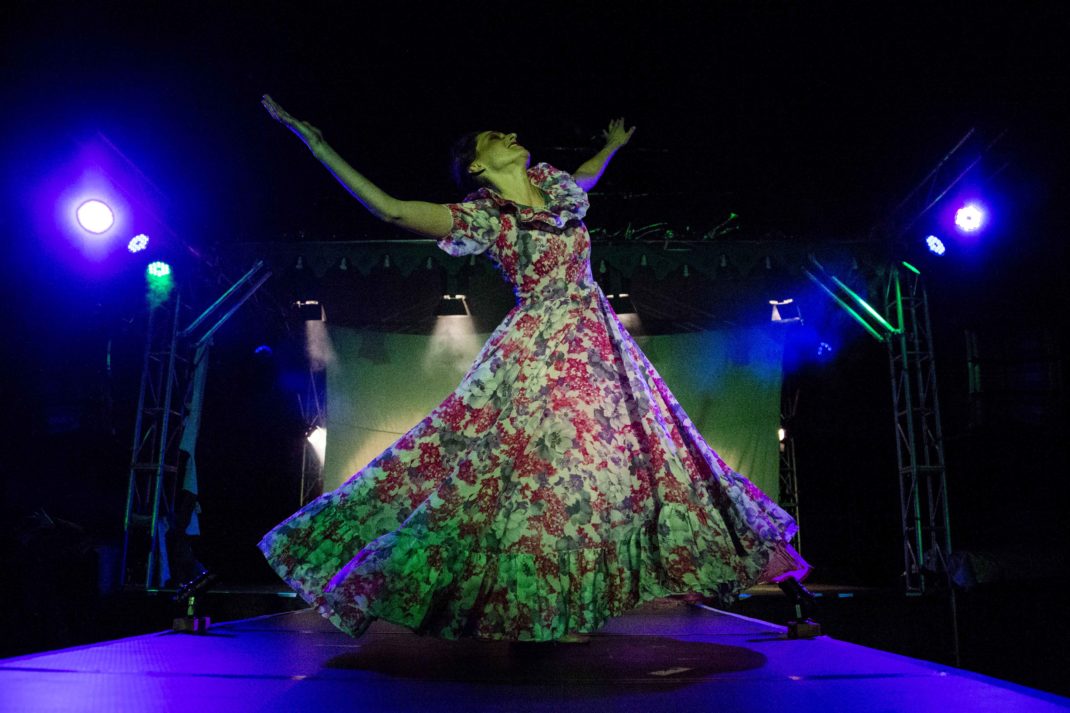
(318, 441)
(95, 216)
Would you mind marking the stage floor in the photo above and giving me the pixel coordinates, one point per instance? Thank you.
(665, 656)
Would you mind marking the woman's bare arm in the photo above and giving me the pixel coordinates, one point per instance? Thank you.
(591, 170)
(428, 219)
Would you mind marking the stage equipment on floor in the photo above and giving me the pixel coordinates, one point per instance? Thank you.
(162, 465)
(187, 594)
(802, 626)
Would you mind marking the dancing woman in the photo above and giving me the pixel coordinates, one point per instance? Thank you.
(561, 483)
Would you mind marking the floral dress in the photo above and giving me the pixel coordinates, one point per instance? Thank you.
(560, 484)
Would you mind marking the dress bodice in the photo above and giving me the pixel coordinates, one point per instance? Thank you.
(544, 253)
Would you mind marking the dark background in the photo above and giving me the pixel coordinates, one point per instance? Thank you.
(811, 122)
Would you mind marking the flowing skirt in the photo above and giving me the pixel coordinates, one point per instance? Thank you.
(559, 485)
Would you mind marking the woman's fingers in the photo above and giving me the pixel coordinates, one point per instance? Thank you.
(277, 112)
(616, 133)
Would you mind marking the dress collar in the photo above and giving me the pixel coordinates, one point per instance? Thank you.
(565, 200)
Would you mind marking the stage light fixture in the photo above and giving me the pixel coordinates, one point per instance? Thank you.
(317, 437)
(95, 216)
(138, 243)
(785, 312)
(621, 304)
(824, 350)
(309, 310)
(160, 283)
(936, 245)
(158, 269)
(970, 218)
(452, 306)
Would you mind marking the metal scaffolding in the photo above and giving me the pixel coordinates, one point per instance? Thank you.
(789, 481)
(154, 463)
(919, 436)
(906, 330)
(162, 457)
(314, 412)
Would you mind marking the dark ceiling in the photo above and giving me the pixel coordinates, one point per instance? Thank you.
(810, 118)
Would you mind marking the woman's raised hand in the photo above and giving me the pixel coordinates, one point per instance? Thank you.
(616, 135)
(305, 131)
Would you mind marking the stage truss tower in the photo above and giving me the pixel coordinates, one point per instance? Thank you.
(162, 463)
(919, 436)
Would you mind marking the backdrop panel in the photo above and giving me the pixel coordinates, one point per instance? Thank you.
(381, 384)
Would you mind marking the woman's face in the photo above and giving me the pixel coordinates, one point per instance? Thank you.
(496, 150)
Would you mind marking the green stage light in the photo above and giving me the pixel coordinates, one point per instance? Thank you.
(158, 269)
(160, 283)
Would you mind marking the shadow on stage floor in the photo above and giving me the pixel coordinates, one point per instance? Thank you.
(665, 656)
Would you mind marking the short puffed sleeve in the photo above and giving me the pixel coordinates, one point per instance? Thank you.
(476, 226)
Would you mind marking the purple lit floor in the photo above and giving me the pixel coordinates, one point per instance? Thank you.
(666, 656)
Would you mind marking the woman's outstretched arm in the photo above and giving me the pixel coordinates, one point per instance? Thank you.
(587, 175)
(429, 219)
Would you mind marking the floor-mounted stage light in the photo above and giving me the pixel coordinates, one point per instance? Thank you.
(95, 216)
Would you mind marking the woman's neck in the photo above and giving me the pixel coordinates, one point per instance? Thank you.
(515, 186)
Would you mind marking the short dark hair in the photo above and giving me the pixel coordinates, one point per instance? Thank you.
(462, 154)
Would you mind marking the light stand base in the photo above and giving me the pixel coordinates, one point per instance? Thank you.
(191, 624)
(805, 629)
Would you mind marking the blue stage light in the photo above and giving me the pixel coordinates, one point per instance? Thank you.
(95, 216)
(936, 245)
(824, 350)
(159, 269)
(138, 243)
(970, 218)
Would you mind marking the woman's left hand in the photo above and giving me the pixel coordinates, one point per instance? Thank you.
(616, 135)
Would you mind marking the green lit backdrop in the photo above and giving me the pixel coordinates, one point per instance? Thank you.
(380, 384)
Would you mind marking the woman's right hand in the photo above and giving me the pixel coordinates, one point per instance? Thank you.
(305, 131)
